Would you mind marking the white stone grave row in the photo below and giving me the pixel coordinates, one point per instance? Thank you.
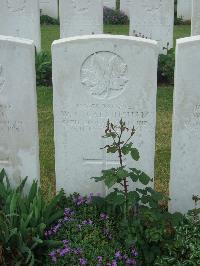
(51, 7)
(97, 83)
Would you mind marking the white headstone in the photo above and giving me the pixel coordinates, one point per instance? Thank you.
(110, 3)
(185, 167)
(80, 17)
(98, 84)
(124, 6)
(21, 18)
(49, 7)
(196, 17)
(184, 9)
(19, 147)
(153, 20)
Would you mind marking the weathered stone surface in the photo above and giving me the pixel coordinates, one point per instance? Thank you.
(49, 7)
(110, 3)
(124, 6)
(21, 18)
(153, 20)
(80, 17)
(196, 17)
(112, 78)
(185, 172)
(184, 9)
(19, 148)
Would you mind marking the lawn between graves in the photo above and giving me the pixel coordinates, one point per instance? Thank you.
(164, 115)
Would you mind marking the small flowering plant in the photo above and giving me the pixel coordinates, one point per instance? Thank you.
(141, 220)
(87, 237)
(128, 201)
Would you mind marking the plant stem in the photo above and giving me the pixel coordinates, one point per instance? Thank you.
(125, 182)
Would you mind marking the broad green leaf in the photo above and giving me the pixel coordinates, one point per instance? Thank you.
(115, 199)
(122, 173)
(127, 148)
(144, 178)
(135, 154)
(133, 197)
(110, 180)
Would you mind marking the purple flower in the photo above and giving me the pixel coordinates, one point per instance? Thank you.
(114, 263)
(53, 256)
(68, 212)
(64, 251)
(87, 222)
(77, 251)
(79, 200)
(131, 261)
(118, 255)
(65, 242)
(134, 252)
(83, 261)
(100, 259)
(89, 198)
(104, 216)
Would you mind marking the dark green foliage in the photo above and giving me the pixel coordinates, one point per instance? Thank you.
(23, 220)
(141, 218)
(185, 248)
(166, 65)
(46, 20)
(43, 69)
(114, 17)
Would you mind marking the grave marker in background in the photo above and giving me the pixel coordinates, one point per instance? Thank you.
(100, 83)
(195, 17)
(80, 17)
(19, 145)
(184, 9)
(153, 20)
(21, 18)
(49, 7)
(185, 174)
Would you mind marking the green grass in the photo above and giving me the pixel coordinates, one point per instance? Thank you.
(164, 114)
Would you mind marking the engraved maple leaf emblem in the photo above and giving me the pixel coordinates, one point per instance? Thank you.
(104, 74)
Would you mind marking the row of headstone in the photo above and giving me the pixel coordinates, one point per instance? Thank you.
(51, 7)
(90, 87)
